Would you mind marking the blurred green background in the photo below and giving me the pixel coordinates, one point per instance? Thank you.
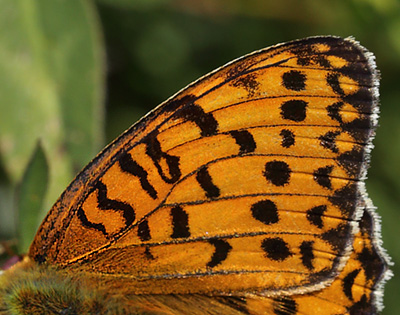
(75, 74)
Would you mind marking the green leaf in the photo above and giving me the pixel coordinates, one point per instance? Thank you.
(51, 86)
(31, 196)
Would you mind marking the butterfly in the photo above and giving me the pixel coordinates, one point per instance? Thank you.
(241, 194)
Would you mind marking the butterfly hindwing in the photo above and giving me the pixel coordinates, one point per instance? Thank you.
(248, 180)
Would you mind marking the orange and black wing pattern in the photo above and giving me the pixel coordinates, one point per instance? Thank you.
(249, 183)
(356, 290)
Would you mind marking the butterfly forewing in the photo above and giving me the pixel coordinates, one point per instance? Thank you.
(246, 181)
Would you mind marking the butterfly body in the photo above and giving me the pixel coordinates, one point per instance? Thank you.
(242, 194)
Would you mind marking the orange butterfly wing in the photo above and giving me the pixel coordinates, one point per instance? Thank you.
(356, 290)
(249, 180)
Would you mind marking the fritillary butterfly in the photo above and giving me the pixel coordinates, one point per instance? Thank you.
(241, 194)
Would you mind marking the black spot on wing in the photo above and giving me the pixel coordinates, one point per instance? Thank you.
(314, 215)
(265, 211)
(328, 141)
(204, 178)
(180, 223)
(277, 173)
(294, 80)
(352, 161)
(244, 140)
(287, 138)
(307, 254)
(334, 111)
(222, 249)
(276, 248)
(294, 110)
(338, 237)
(345, 198)
(322, 176)
(144, 231)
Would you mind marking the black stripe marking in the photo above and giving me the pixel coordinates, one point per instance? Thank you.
(84, 220)
(284, 305)
(153, 150)
(205, 121)
(180, 223)
(307, 254)
(244, 140)
(203, 177)
(130, 166)
(104, 203)
(222, 249)
(173, 105)
(144, 231)
(333, 81)
(348, 283)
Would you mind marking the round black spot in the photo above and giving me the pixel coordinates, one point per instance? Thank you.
(294, 110)
(294, 80)
(265, 211)
(277, 172)
(287, 138)
(276, 248)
